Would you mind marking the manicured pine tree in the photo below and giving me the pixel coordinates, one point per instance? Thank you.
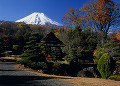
(32, 55)
(72, 56)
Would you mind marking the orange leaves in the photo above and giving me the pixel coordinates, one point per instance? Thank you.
(71, 17)
(118, 35)
(102, 10)
(103, 13)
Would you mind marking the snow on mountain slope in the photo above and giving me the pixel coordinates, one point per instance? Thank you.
(39, 19)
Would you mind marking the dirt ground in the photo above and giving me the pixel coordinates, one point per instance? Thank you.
(12, 57)
(77, 81)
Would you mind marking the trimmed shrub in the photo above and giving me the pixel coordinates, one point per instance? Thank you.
(16, 49)
(105, 65)
(39, 65)
(56, 69)
(33, 56)
(72, 56)
(19, 62)
(24, 62)
(115, 77)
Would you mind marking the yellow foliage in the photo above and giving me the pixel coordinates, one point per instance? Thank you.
(56, 34)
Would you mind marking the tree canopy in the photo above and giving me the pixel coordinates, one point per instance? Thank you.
(99, 15)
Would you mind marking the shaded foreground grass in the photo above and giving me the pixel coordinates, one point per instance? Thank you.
(9, 76)
(78, 81)
(19, 80)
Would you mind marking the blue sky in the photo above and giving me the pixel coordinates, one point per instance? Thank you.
(12, 10)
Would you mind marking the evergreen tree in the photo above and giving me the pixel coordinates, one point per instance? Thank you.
(32, 55)
(72, 56)
(105, 65)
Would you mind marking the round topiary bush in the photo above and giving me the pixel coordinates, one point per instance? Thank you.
(105, 65)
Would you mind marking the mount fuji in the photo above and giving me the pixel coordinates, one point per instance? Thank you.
(39, 19)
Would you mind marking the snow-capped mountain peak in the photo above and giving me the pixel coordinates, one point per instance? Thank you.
(39, 19)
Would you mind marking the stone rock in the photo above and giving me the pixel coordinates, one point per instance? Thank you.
(88, 72)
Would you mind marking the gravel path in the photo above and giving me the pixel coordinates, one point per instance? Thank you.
(9, 76)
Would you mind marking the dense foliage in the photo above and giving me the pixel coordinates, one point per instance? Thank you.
(114, 77)
(105, 65)
(56, 69)
(32, 55)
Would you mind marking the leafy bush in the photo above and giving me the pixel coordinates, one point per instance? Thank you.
(115, 77)
(56, 69)
(39, 65)
(19, 62)
(108, 47)
(105, 65)
(32, 56)
(98, 53)
(24, 62)
(72, 56)
(16, 49)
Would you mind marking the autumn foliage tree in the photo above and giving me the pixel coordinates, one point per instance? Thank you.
(71, 17)
(99, 15)
(103, 14)
(106, 14)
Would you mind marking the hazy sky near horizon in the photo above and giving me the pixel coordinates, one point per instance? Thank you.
(12, 10)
